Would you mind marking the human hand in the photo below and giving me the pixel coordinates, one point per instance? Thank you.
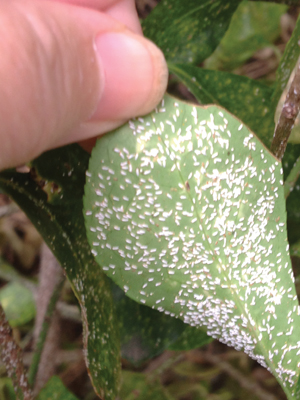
(71, 70)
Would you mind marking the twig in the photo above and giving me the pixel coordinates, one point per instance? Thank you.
(244, 381)
(287, 118)
(51, 283)
(292, 178)
(11, 354)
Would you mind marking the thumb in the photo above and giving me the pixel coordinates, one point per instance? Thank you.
(69, 73)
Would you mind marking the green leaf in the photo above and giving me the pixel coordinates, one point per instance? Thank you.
(55, 389)
(51, 196)
(246, 98)
(189, 31)
(185, 211)
(136, 386)
(287, 64)
(252, 27)
(18, 304)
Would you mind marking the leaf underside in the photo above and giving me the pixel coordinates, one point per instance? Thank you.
(185, 211)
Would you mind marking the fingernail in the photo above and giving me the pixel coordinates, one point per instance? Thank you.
(133, 73)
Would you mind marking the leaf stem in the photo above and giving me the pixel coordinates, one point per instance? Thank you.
(292, 178)
(287, 118)
(11, 354)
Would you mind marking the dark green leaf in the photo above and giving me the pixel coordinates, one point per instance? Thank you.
(189, 31)
(55, 389)
(185, 211)
(253, 26)
(51, 196)
(246, 98)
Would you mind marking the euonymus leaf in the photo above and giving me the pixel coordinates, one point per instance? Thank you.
(189, 31)
(51, 196)
(252, 27)
(185, 211)
(246, 98)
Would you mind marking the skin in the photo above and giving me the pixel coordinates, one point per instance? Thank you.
(71, 70)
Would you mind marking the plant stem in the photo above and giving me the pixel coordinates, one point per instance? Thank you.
(55, 284)
(11, 354)
(292, 178)
(287, 118)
